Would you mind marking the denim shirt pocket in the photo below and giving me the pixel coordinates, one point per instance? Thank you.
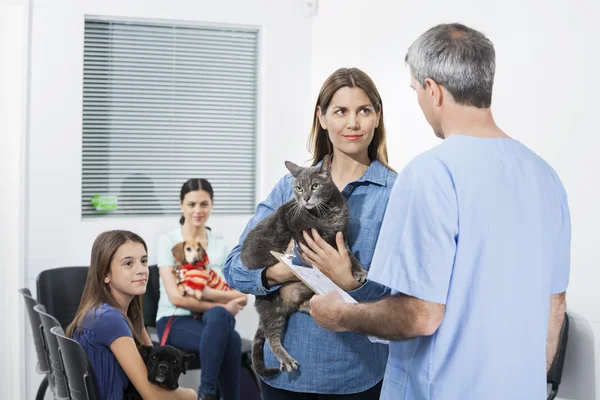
(362, 238)
(395, 382)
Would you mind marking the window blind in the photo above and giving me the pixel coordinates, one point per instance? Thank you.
(165, 103)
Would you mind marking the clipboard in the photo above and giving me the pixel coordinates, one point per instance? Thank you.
(312, 277)
(319, 283)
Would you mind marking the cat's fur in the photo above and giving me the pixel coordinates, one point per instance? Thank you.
(321, 207)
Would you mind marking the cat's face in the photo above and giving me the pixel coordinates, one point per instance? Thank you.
(312, 185)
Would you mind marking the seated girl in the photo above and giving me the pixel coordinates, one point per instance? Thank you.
(108, 323)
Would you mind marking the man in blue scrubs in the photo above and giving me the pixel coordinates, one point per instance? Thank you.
(475, 244)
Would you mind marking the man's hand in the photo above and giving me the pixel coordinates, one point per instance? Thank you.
(328, 311)
(558, 307)
(334, 263)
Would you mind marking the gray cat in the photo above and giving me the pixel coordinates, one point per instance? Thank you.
(317, 204)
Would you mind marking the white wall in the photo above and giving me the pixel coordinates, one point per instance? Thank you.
(56, 228)
(545, 93)
(57, 236)
(541, 51)
(13, 75)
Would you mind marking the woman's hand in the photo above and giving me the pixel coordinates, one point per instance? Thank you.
(243, 298)
(235, 305)
(335, 263)
(280, 273)
(220, 296)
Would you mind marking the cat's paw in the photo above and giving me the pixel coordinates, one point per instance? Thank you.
(360, 276)
(288, 365)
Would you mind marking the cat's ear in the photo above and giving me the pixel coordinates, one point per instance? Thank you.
(293, 168)
(326, 165)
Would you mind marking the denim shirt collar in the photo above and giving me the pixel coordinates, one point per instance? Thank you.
(376, 173)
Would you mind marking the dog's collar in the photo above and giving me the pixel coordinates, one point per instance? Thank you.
(200, 264)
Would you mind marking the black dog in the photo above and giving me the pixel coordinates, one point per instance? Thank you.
(165, 364)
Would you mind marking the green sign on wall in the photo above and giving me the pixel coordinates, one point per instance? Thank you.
(104, 203)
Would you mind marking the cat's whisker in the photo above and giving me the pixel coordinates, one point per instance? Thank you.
(295, 211)
(298, 210)
(321, 209)
(318, 209)
(325, 206)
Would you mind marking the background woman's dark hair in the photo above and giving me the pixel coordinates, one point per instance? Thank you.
(191, 186)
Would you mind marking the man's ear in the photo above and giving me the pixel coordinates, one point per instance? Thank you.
(145, 352)
(187, 359)
(434, 91)
(178, 253)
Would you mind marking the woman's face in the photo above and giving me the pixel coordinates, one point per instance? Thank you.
(128, 273)
(350, 121)
(196, 207)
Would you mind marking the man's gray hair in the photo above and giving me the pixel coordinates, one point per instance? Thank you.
(459, 58)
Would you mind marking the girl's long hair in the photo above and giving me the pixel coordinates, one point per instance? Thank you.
(96, 292)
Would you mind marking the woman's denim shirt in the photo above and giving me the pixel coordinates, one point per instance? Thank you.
(329, 362)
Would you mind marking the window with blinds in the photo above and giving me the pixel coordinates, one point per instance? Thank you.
(162, 104)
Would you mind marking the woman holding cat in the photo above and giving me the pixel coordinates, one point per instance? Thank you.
(108, 323)
(348, 125)
(206, 326)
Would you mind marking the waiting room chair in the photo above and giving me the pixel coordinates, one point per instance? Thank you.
(81, 380)
(41, 350)
(48, 322)
(150, 304)
(554, 376)
(60, 290)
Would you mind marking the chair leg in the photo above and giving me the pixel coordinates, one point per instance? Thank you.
(256, 379)
(42, 389)
(254, 375)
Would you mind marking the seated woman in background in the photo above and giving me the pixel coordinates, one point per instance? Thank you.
(206, 326)
(108, 323)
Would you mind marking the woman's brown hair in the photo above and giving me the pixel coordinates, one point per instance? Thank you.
(96, 292)
(318, 142)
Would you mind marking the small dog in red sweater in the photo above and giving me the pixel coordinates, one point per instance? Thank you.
(192, 272)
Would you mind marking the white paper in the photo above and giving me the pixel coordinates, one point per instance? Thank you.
(319, 283)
